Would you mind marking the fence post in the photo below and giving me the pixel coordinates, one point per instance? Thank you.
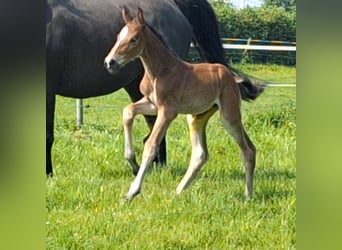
(245, 50)
(79, 113)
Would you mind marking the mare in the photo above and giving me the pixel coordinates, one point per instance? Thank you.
(171, 86)
(79, 33)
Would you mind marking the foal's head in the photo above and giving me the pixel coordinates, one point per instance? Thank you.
(129, 42)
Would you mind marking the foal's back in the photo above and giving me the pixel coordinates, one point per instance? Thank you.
(202, 85)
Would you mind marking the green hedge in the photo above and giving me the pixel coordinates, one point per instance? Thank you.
(271, 23)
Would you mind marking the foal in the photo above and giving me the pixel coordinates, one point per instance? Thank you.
(171, 86)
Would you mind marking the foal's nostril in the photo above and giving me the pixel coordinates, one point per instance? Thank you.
(109, 64)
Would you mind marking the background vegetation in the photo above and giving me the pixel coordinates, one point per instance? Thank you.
(274, 20)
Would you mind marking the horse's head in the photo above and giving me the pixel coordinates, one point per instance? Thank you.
(129, 42)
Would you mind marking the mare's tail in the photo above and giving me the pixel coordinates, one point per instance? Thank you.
(204, 23)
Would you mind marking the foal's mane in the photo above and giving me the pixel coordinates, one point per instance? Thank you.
(158, 35)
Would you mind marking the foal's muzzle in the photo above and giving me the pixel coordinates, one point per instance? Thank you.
(111, 65)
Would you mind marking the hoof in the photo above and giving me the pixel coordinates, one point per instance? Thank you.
(129, 197)
(135, 171)
(135, 166)
(125, 200)
(248, 197)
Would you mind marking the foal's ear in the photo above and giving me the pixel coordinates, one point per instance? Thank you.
(126, 14)
(141, 16)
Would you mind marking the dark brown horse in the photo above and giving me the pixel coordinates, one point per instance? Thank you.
(79, 33)
(171, 86)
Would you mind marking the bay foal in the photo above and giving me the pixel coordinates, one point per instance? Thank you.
(171, 86)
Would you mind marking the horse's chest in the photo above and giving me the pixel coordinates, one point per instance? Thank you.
(155, 91)
(146, 88)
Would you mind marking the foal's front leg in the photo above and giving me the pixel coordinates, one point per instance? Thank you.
(163, 121)
(143, 106)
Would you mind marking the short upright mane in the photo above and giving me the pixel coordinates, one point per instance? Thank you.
(159, 36)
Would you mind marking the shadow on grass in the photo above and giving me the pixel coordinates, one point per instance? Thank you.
(270, 182)
(270, 194)
(267, 173)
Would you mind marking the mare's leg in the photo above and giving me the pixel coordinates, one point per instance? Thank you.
(199, 154)
(163, 121)
(143, 106)
(50, 112)
(134, 93)
(231, 118)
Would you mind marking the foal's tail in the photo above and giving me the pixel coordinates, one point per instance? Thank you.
(207, 40)
(248, 90)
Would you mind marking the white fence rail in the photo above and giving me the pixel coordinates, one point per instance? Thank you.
(259, 47)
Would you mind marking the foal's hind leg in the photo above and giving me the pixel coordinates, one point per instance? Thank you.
(231, 118)
(199, 154)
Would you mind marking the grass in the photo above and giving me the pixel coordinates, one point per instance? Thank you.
(83, 206)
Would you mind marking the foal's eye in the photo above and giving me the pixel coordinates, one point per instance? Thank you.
(134, 40)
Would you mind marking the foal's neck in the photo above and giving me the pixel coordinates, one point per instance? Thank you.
(155, 57)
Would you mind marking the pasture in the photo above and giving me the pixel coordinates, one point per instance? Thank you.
(83, 209)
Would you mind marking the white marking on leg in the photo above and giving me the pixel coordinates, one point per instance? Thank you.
(135, 187)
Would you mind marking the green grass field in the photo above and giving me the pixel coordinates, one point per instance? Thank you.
(83, 209)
